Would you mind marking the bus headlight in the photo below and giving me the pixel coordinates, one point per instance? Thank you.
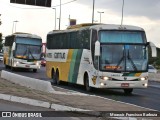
(143, 78)
(37, 63)
(105, 78)
(15, 63)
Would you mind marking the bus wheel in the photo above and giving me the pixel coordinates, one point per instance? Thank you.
(53, 78)
(12, 68)
(86, 83)
(6, 66)
(57, 78)
(128, 91)
(34, 70)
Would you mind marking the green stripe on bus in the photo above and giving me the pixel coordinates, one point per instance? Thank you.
(129, 74)
(71, 71)
(74, 66)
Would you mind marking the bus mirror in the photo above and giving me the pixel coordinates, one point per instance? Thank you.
(13, 52)
(97, 48)
(14, 46)
(153, 49)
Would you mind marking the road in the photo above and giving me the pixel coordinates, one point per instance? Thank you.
(148, 98)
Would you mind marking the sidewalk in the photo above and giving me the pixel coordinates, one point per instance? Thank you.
(80, 101)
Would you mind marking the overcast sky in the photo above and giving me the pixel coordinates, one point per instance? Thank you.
(40, 20)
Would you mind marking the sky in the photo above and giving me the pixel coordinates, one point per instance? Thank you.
(41, 20)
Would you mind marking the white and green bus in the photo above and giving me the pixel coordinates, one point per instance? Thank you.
(99, 56)
(22, 50)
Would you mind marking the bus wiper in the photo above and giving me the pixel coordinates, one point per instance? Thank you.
(25, 52)
(123, 57)
(31, 54)
(132, 63)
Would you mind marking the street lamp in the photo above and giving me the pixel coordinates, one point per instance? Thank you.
(100, 15)
(122, 12)
(15, 26)
(60, 16)
(55, 18)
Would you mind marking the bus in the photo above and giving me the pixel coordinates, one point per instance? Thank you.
(99, 56)
(22, 50)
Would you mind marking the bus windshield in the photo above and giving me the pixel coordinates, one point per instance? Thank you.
(122, 36)
(25, 51)
(123, 58)
(123, 51)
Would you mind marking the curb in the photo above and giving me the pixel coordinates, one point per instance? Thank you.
(58, 107)
(39, 103)
(36, 84)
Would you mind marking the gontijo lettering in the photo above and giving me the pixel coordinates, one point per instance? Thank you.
(59, 55)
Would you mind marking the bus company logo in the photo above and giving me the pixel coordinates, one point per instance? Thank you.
(6, 114)
(94, 79)
(125, 78)
(59, 55)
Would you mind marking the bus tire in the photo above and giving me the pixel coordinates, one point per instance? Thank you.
(12, 68)
(128, 91)
(86, 83)
(53, 78)
(6, 66)
(57, 78)
(34, 70)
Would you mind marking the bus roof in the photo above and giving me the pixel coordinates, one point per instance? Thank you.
(26, 35)
(116, 27)
(98, 27)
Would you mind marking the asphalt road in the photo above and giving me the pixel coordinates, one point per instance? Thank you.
(40, 74)
(148, 98)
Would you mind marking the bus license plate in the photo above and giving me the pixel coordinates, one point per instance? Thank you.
(125, 85)
(27, 66)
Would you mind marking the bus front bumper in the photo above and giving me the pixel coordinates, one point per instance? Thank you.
(123, 84)
(27, 66)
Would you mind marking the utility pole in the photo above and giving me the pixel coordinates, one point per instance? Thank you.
(60, 16)
(122, 13)
(55, 18)
(93, 12)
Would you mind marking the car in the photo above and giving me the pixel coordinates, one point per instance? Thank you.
(152, 69)
(43, 62)
(1, 56)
